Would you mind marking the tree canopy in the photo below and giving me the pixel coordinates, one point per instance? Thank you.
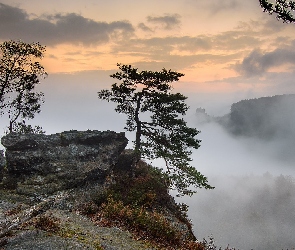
(20, 72)
(282, 8)
(156, 114)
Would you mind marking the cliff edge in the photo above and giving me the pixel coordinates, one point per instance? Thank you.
(78, 190)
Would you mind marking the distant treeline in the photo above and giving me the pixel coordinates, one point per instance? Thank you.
(265, 117)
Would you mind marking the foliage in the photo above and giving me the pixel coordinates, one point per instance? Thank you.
(47, 223)
(22, 128)
(20, 72)
(210, 245)
(73, 231)
(145, 186)
(282, 8)
(164, 134)
(53, 225)
(152, 223)
(139, 202)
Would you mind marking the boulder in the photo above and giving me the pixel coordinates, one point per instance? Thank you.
(44, 164)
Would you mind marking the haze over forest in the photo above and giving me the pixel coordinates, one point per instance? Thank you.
(253, 172)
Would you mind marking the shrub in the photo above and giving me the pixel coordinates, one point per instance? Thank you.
(138, 200)
(48, 223)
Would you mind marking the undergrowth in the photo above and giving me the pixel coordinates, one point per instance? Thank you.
(138, 201)
(52, 225)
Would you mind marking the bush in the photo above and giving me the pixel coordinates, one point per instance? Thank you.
(138, 200)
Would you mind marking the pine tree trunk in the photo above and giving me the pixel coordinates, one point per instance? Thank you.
(138, 130)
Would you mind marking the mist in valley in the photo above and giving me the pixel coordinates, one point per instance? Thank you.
(252, 205)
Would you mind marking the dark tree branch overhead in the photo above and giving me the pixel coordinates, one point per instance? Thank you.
(284, 9)
(161, 132)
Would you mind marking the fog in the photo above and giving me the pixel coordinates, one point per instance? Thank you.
(252, 205)
(246, 212)
(224, 154)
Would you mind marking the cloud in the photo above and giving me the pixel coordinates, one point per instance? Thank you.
(145, 28)
(257, 62)
(222, 5)
(168, 22)
(72, 28)
(185, 51)
(226, 41)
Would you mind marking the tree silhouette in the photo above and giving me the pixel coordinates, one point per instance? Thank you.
(154, 113)
(20, 72)
(282, 8)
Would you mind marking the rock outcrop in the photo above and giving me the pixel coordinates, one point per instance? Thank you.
(44, 164)
(64, 191)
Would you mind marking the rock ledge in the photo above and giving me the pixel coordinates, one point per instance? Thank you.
(44, 164)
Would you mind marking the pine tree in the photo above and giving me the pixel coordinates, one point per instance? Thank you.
(156, 115)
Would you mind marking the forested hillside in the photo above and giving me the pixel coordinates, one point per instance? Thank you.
(265, 117)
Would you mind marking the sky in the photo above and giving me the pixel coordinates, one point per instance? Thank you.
(229, 50)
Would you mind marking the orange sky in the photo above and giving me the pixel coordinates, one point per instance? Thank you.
(206, 40)
(203, 39)
(228, 49)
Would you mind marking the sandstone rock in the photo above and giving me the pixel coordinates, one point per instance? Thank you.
(44, 164)
(54, 187)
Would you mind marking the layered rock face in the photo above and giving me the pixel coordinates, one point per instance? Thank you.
(44, 164)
